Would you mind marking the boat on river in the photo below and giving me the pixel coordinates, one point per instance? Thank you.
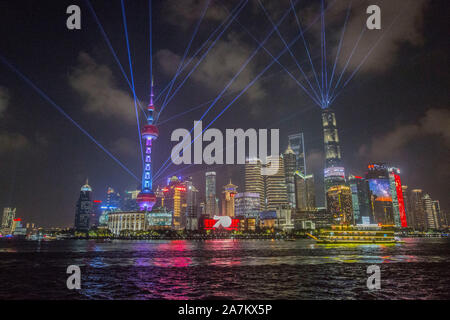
(359, 234)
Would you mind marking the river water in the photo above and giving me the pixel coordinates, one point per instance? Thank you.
(224, 269)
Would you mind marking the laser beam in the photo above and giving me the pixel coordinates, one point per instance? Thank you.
(108, 42)
(59, 109)
(305, 43)
(164, 167)
(203, 45)
(132, 78)
(207, 51)
(184, 55)
(340, 44)
(288, 49)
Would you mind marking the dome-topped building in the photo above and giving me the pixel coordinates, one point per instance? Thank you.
(86, 187)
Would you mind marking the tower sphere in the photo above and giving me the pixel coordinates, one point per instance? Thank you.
(150, 131)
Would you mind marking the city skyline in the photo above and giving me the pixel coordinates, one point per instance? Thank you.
(395, 127)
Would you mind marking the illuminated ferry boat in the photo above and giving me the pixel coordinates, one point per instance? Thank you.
(363, 234)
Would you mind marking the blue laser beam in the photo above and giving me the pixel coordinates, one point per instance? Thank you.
(203, 45)
(108, 42)
(184, 56)
(239, 72)
(278, 62)
(340, 45)
(58, 108)
(305, 44)
(124, 16)
(325, 51)
(206, 52)
(164, 166)
(288, 49)
(367, 55)
(348, 61)
(211, 100)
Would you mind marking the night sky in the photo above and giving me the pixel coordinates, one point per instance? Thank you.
(394, 110)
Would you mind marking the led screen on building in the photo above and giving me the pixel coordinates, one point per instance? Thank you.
(380, 189)
(334, 172)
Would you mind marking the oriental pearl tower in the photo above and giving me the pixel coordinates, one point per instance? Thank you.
(146, 198)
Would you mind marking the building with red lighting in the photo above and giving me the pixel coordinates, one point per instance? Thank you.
(398, 202)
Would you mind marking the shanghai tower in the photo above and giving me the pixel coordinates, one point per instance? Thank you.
(334, 174)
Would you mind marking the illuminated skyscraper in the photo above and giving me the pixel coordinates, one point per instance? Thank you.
(246, 205)
(254, 181)
(360, 200)
(290, 165)
(8, 217)
(147, 199)
(334, 174)
(175, 201)
(420, 222)
(192, 208)
(228, 194)
(408, 209)
(112, 200)
(442, 219)
(211, 199)
(296, 142)
(304, 191)
(430, 214)
(339, 204)
(83, 209)
(276, 191)
(380, 194)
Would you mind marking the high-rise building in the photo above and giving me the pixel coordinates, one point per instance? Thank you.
(304, 191)
(113, 200)
(129, 202)
(276, 192)
(210, 194)
(192, 207)
(334, 173)
(339, 204)
(296, 142)
(408, 208)
(228, 194)
(360, 200)
(246, 205)
(146, 198)
(255, 181)
(442, 219)
(175, 201)
(96, 213)
(8, 217)
(83, 209)
(398, 203)
(416, 203)
(430, 214)
(380, 195)
(290, 166)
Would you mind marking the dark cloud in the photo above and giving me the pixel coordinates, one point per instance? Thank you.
(435, 123)
(12, 141)
(220, 65)
(125, 147)
(96, 84)
(407, 28)
(185, 13)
